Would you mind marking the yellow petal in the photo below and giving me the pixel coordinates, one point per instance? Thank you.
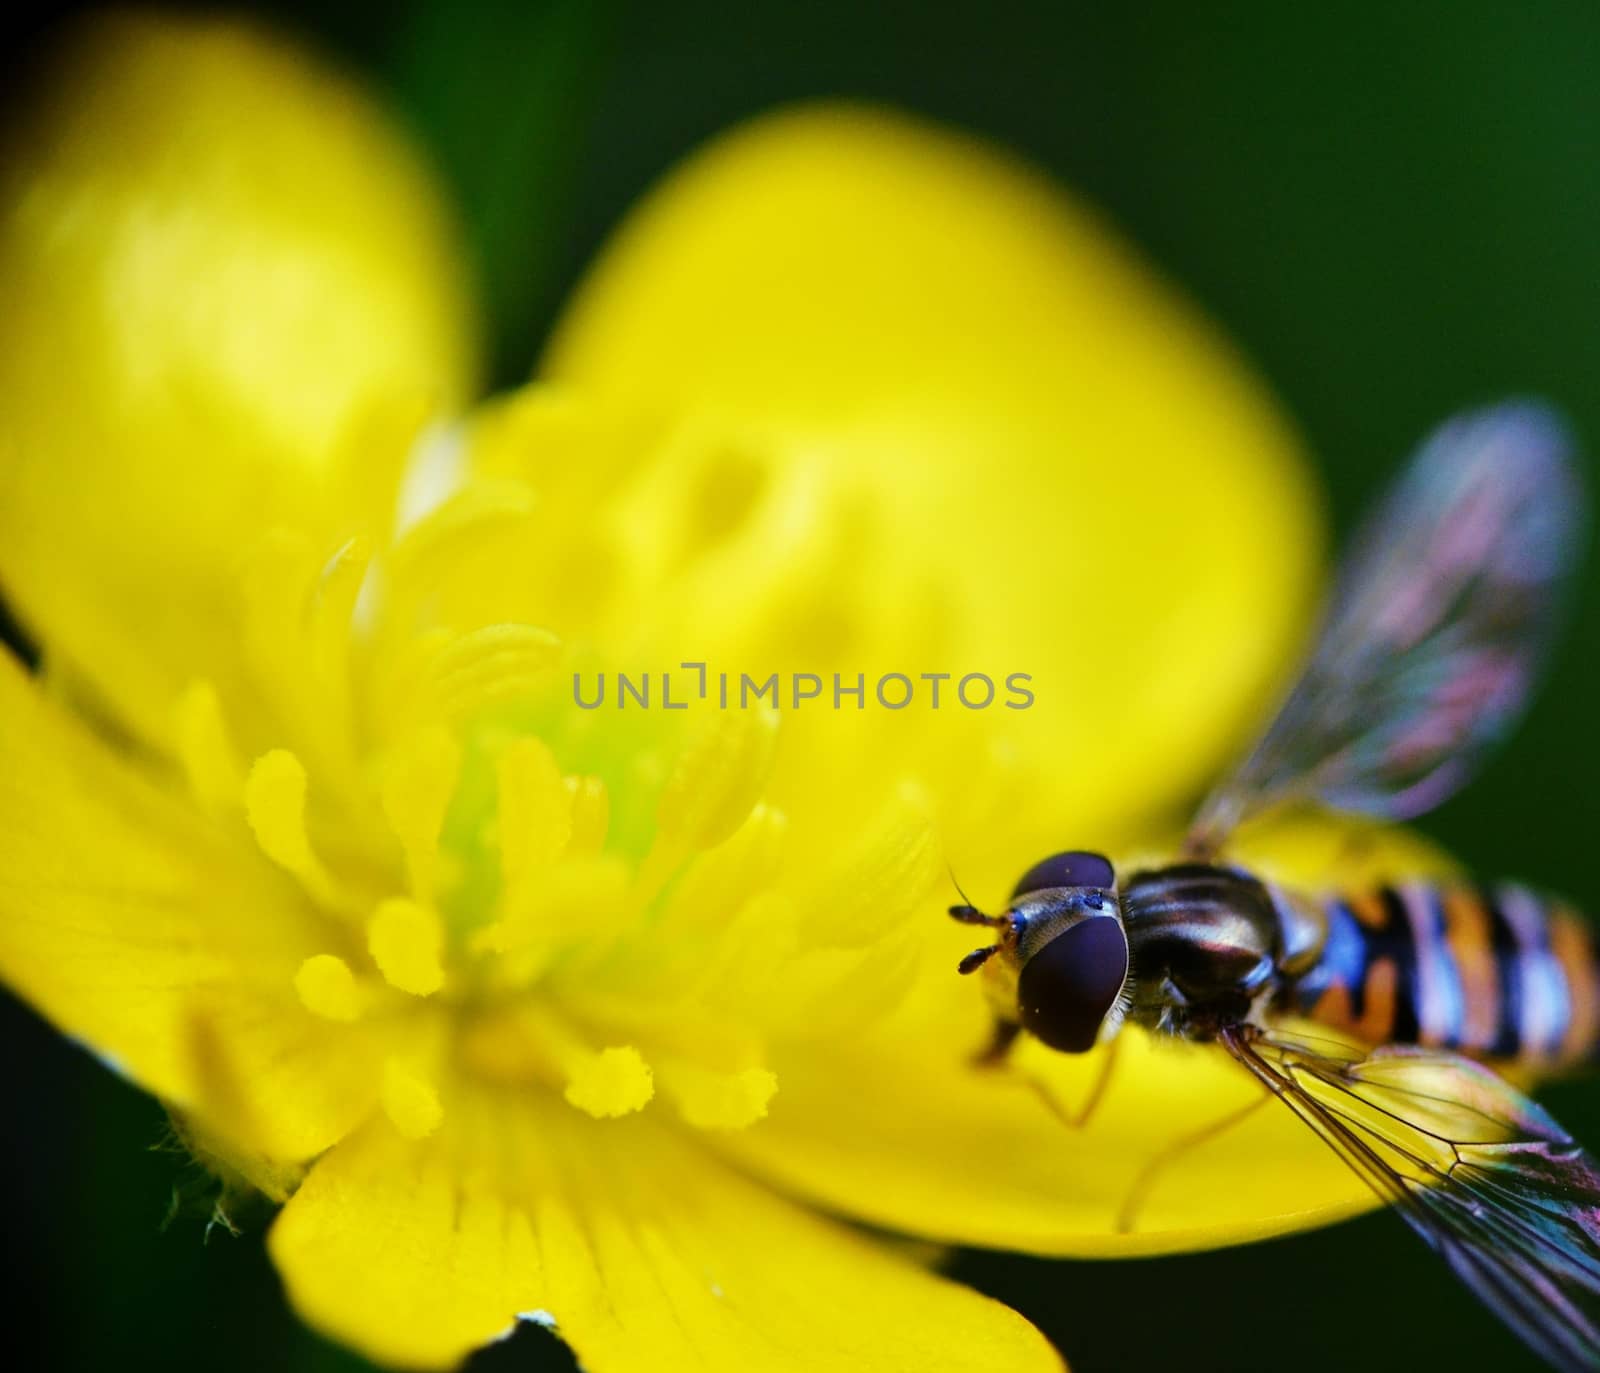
(640, 1251)
(127, 921)
(913, 1138)
(1031, 443)
(231, 298)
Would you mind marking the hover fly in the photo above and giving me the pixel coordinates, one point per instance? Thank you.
(1436, 628)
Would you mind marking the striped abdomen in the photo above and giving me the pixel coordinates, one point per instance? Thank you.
(1495, 972)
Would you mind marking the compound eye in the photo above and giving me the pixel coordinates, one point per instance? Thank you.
(1073, 869)
(1065, 990)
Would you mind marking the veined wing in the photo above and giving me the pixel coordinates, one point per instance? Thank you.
(1492, 1184)
(1438, 623)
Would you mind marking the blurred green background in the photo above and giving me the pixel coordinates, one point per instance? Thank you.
(1394, 209)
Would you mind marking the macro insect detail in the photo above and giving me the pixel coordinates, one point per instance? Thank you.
(1377, 1015)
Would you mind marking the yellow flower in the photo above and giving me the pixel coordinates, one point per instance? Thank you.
(526, 1009)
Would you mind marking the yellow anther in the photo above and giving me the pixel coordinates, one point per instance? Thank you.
(711, 1100)
(614, 1082)
(416, 797)
(591, 814)
(215, 775)
(536, 809)
(409, 1100)
(406, 941)
(718, 778)
(327, 987)
(275, 802)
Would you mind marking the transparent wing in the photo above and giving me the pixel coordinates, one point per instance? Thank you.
(1436, 629)
(1490, 1181)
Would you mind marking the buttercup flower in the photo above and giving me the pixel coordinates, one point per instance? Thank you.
(612, 1017)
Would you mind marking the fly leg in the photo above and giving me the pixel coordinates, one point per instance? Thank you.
(1139, 1192)
(995, 1053)
(1076, 1120)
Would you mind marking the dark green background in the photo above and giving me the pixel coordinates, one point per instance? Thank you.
(1394, 208)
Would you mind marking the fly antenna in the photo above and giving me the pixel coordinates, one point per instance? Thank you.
(955, 882)
(966, 912)
(976, 959)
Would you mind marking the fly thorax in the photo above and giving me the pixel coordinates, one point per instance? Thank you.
(1203, 943)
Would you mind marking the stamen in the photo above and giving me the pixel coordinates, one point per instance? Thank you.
(718, 779)
(577, 899)
(333, 608)
(294, 627)
(488, 665)
(712, 789)
(460, 524)
(213, 769)
(409, 1100)
(615, 1081)
(327, 987)
(406, 941)
(717, 884)
(275, 803)
(390, 424)
(536, 809)
(591, 814)
(830, 989)
(886, 880)
(416, 796)
(712, 1100)
(277, 581)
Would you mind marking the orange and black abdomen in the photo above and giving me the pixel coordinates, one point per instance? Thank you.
(1496, 972)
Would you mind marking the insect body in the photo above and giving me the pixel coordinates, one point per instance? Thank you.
(1433, 638)
(1499, 973)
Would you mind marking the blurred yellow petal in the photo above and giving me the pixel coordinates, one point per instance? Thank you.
(232, 297)
(912, 1138)
(987, 413)
(640, 1251)
(131, 924)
